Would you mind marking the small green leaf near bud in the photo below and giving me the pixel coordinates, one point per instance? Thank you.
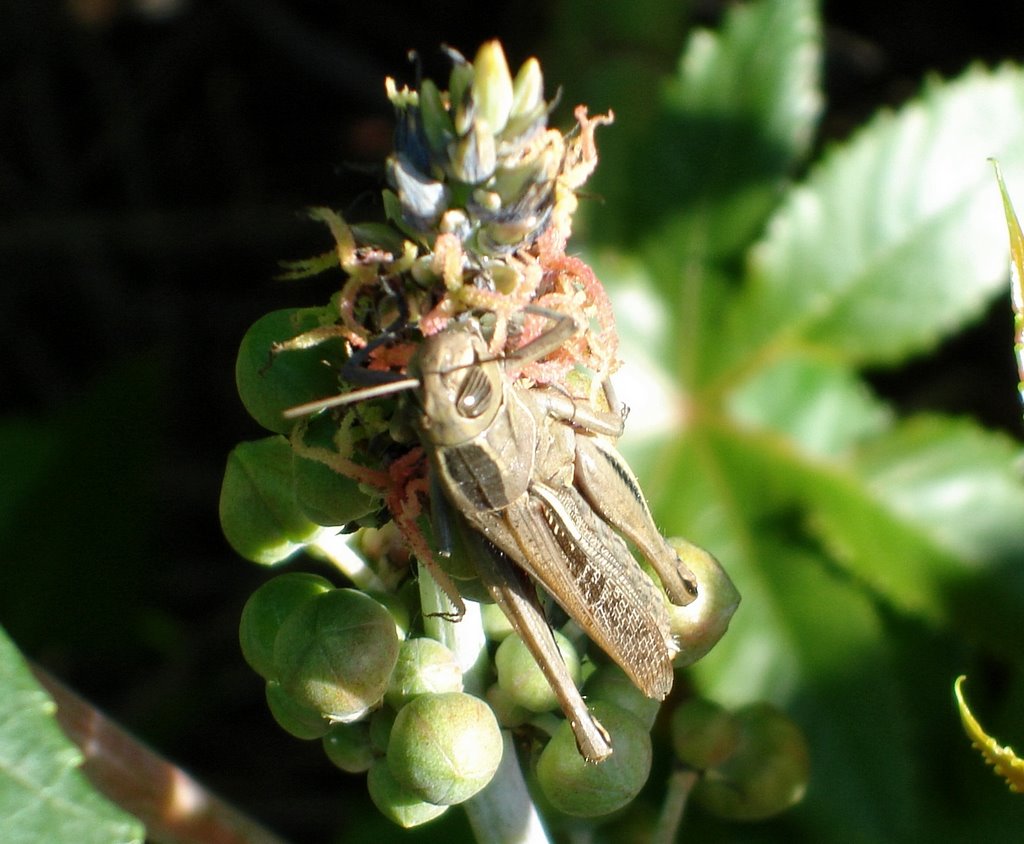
(258, 512)
(767, 774)
(704, 734)
(396, 802)
(270, 383)
(522, 679)
(701, 624)
(610, 684)
(349, 747)
(336, 652)
(584, 789)
(445, 747)
(492, 86)
(437, 122)
(424, 665)
(293, 717)
(265, 611)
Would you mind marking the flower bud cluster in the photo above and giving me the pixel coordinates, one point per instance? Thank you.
(336, 670)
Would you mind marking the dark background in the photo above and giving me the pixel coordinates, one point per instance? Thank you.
(153, 170)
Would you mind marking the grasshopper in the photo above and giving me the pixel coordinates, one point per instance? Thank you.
(533, 472)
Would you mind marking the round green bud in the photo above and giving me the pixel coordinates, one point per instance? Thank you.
(521, 678)
(266, 610)
(269, 383)
(496, 623)
(258, 512)
(704, 734)
(336, 652)
(506, 710)
(293, 717)
(700, 624)
(766, 774)
(584, 789)
(325, 496)
(610, 684)
(445, 747)
(396, 802)
(424, 665)
(398, 604)
(349, 747)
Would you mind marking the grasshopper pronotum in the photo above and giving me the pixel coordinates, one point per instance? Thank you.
(534, 473)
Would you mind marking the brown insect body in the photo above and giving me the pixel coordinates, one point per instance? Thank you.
(529, 470)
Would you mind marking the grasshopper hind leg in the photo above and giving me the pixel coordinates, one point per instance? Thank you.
(610, 487)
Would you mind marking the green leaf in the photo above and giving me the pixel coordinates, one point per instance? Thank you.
(43, 794)
(820, 405)
(700, 179)
(896, 239)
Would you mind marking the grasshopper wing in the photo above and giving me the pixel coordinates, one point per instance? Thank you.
(589, 570)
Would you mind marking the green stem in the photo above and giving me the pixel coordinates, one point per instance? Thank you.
(503, 813)
(336, 549)
(680, 784)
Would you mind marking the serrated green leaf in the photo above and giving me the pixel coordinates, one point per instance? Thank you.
(820, 405)
(896, 239)
(699, 180)
(43, 795)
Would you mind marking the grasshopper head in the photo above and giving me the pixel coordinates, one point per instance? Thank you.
(461, 390)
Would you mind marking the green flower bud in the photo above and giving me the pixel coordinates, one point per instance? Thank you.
(424, 665)
(496, 623)
(473, 156)
(325, 496)
(584, 789)
(396, 802)
(398, 605)
(258, 512)
(704, 734)
(445, 747)
(610, 684)
(766, 774)
(492, 86)
(265, 611)
(528, 104)
(336, 652)
(522, 679)
(699, 625)
(506, 710)
(293, 717)
(349, 747)
(270, 383)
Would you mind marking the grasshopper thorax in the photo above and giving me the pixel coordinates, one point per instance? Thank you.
(460, 388)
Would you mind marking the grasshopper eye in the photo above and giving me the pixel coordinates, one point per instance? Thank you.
(474, 394)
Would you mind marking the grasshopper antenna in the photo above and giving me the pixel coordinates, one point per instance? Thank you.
(349, 398)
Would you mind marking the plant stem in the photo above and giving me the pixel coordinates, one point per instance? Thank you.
(680, 784)
(174, 807)
(503, 813)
